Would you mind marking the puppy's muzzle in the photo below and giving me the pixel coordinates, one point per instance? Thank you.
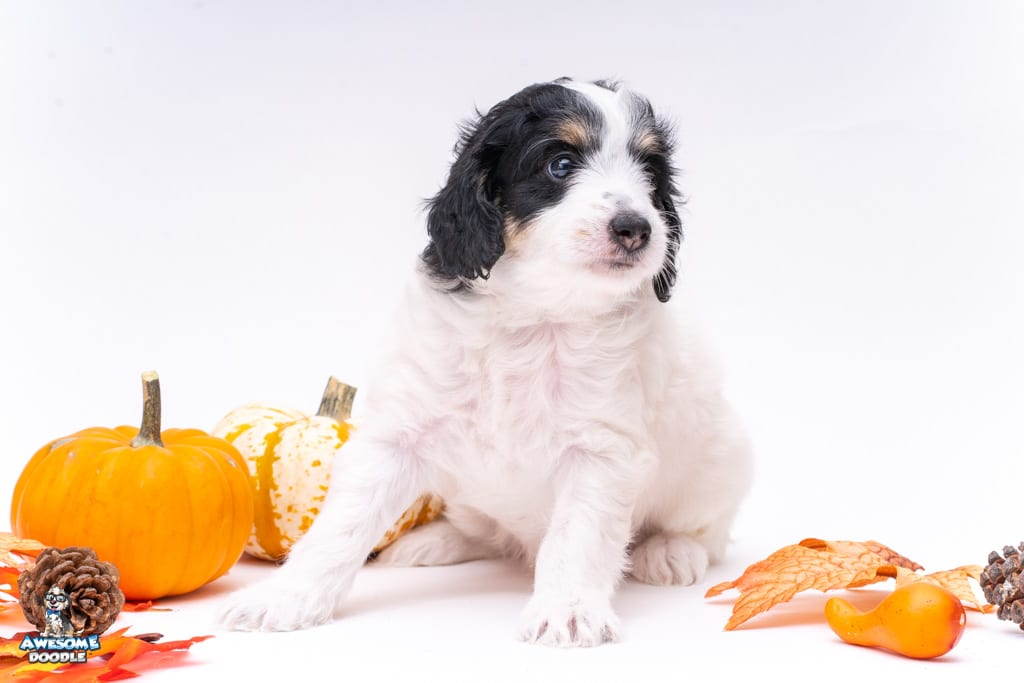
(630, 231)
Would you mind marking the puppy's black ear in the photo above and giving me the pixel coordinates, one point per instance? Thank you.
(665, 197)
(464, 222)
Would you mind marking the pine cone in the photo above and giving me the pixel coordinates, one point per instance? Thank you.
(1003, 583)
(91, 586)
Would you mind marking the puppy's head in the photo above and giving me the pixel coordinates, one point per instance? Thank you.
(569, 184)
(56, 599)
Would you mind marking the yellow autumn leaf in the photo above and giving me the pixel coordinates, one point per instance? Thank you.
(956, 581)
(15, 554)
(13, 550)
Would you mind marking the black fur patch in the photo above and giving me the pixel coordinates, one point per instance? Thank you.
(500, 174)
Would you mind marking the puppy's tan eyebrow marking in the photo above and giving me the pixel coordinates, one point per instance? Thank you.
(646, 141)
(575, 132)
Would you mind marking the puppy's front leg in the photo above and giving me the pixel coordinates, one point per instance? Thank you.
(583, 554)
(372, 483)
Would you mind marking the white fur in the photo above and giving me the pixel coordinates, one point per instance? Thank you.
(565, 415)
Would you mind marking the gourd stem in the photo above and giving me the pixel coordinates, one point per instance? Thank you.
(149, 431)
(337, 400)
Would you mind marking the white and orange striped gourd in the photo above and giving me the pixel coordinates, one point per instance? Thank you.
(289, 454)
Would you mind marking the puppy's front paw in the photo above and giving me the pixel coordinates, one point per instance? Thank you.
(568, 623)
(276, 605)
(664, 560)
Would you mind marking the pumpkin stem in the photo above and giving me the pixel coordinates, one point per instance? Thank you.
(149, 431)
(337, 400)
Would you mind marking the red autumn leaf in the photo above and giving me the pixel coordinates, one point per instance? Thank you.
(145, 606)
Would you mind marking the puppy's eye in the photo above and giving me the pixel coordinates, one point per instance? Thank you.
(559, 168)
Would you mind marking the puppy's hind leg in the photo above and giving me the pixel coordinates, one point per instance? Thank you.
(665, 559)
(372, 483)
(436, 543)
(677, 558)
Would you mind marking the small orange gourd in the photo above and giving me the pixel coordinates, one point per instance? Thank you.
(170, 510)
(919, 620)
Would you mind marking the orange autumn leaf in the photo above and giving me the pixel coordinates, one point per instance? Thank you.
(8, 582)
(135, 648)
(956, 581)
(120, 656)
(810, 564)
(889, 555)
(9, 647)
(140, 655)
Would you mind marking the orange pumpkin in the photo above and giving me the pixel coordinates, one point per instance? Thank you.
(171, 510)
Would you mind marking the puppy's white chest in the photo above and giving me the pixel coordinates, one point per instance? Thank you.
(532, 388)
(524, 387)
(528, 395)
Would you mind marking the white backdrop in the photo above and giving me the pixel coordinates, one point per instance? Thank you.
(231, 193)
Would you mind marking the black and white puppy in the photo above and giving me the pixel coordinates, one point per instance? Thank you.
(540, 384)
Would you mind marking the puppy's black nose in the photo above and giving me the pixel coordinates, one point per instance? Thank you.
(630, 230)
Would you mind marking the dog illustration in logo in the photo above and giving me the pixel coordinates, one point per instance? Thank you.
(58, 621)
